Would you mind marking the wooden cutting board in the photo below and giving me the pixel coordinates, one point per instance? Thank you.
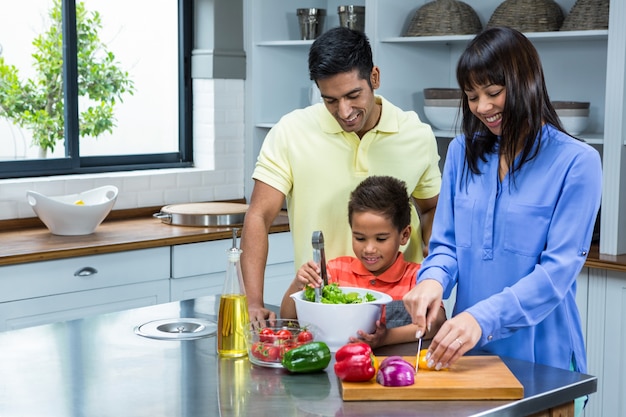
(470, 378)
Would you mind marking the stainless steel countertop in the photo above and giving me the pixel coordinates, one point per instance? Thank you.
(98, 366)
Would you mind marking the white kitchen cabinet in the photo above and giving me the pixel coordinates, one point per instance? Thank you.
(606, 341)
(575, 64)
(198, 268)
(43, 292)
(582, 298)
(75, 305)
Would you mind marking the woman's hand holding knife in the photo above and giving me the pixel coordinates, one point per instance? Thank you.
(455, 337)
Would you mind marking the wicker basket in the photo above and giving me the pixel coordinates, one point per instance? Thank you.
(528, 15)
(444, 17)
(588, 15)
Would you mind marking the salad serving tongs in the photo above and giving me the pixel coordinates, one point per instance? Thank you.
(320, 258)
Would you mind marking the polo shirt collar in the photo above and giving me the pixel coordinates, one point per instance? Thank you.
(391, 275)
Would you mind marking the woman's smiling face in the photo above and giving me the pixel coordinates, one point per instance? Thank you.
(487, 104)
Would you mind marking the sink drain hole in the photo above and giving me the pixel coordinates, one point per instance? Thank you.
(177, 329)
(181, 327)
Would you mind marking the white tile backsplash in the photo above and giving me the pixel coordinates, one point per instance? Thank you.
(218, 158)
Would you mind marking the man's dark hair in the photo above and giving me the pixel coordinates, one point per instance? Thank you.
(340, 50)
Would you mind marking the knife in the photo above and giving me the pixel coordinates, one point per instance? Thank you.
(419, 348)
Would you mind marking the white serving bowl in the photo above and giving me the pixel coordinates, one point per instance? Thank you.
(574, 125)
(338, 322)
(443, 118)
(574, 121)
(63, 216)
(574, 115)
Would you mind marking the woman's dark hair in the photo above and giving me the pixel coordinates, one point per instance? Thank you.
(504, 56)
(340, 50)
(383, 195)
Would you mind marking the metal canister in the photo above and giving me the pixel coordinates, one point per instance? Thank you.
(311, 22)
(352, 17)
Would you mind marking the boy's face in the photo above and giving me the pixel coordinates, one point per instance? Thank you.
(376, 241)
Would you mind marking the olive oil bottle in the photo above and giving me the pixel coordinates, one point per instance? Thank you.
(232, 316)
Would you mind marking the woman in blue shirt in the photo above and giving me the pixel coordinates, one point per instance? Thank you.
(515, 217)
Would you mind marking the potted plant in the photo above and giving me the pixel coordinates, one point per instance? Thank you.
(37, 103)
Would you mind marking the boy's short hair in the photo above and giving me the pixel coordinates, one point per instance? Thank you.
(383, 195)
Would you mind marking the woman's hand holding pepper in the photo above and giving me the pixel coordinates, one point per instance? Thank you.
(456, 337)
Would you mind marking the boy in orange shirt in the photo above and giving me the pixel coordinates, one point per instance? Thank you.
(379, 213)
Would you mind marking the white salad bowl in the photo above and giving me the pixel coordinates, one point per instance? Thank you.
(74, 214)
(338, 322)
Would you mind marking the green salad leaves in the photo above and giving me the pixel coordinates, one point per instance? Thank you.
(332, 294)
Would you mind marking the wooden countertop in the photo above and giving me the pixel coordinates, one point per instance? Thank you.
(603, 261)
(28, 240)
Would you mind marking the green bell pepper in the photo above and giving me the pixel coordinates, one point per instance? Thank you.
(309, 357)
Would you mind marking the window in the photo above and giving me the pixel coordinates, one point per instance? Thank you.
(144, 46)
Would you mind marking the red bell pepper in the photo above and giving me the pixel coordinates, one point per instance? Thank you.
(355, 362)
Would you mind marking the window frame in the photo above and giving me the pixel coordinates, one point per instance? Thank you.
(73, 163)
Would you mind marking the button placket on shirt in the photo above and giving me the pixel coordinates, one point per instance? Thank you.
(489, 224)
(361, 162)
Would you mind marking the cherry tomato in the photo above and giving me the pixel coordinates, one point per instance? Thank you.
(273, 353)
(305, 336)
(266, 335)
(259, 351)
(286, 347)
(284, 334)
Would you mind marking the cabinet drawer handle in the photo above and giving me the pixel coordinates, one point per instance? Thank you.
(86, 272)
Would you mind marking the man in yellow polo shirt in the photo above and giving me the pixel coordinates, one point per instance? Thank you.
(314, 158)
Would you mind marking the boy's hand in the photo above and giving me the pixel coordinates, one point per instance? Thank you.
(309, 274)
(375, 339)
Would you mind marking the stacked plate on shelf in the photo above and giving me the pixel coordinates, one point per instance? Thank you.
(574, 115)
(441, 106)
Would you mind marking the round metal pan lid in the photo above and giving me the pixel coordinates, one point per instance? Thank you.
(203, 214)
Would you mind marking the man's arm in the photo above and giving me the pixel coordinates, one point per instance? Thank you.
(265, 204)
(426, 211)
